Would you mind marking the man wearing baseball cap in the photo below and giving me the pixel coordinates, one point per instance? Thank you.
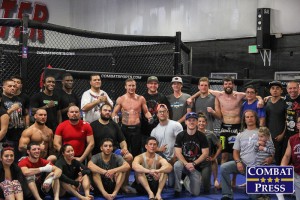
(191, 149)
(178, 101)
(275, 118)
(153, 98)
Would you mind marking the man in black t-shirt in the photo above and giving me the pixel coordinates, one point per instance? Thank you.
(23, 96)
(191, 149)
(105, 127)
(153, 98)
(275, 117)
(292, 101)
(49, 101)
(67, 95)
(16, 110)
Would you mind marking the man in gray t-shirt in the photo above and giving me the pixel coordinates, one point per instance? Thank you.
(103, 166)
(243, 153)
(178, 101)
(208, 105)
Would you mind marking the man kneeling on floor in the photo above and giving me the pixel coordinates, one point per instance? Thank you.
(108, 169)
(150, 171)
(34, 168)
(191, 149)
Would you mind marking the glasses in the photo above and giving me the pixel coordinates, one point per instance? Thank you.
(162, 111)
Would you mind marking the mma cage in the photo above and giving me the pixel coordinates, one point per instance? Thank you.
(82, 53)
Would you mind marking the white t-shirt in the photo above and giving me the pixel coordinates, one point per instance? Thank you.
(88, 97)
(167, 135)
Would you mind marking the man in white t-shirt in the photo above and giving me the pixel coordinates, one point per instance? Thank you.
(93, 98)
(165, 133)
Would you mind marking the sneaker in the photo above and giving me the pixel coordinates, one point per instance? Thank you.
(186, 183)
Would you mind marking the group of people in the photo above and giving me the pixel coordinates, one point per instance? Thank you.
(77, 145)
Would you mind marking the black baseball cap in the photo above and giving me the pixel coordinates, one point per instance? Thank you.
(275, 83)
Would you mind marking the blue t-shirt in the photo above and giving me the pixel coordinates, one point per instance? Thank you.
(260, 111)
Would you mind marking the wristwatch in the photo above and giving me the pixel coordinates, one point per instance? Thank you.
(238, 161)
(194, 163)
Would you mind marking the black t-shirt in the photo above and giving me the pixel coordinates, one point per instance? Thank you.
(111, 130)
(292, 112)
(16, 119)
(25, 99)
(3, 112)
(66, 99)
(70, 172)
(192, 145)
(275, 116)
(152, 101)
(41, 99)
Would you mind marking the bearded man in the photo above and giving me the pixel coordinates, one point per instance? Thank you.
(39, 133)
(105, 127)
(75, 132)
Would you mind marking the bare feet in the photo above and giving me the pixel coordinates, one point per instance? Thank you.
(109, 196)
(217, 184)
(158, 197)
(233, 183)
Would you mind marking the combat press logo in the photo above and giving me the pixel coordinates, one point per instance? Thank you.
(270, 179)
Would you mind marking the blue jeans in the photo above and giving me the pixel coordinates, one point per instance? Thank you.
(194, 176)
(227, 169)
(297, 185)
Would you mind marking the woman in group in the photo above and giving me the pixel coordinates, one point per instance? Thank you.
(215, 147)
(12, 179)
(74, 174)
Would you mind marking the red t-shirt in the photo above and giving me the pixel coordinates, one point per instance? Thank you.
(40, 163)
(295, 147)
(74, 135)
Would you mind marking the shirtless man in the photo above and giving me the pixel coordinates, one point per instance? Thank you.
(230, 105)
(131, 105)
(40, 133)
(151, 171)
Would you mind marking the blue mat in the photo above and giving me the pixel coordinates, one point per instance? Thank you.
(168, 193)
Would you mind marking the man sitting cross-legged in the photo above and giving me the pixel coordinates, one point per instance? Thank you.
(151, 171)
(108, 170)
(34, 168)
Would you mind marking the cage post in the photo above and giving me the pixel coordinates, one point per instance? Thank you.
(177, 54)
(23, 40)
(190, 64)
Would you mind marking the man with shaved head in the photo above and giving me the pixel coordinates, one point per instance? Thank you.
(75, 132)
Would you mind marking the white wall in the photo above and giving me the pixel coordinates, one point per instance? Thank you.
(196, 19)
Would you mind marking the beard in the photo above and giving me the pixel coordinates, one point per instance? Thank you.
(74, 119)
(228, 90)
(40, 123)
(104, 118)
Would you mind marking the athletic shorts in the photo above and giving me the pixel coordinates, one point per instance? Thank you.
(228, 133)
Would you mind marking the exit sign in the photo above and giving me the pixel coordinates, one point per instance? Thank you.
(252, 49)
